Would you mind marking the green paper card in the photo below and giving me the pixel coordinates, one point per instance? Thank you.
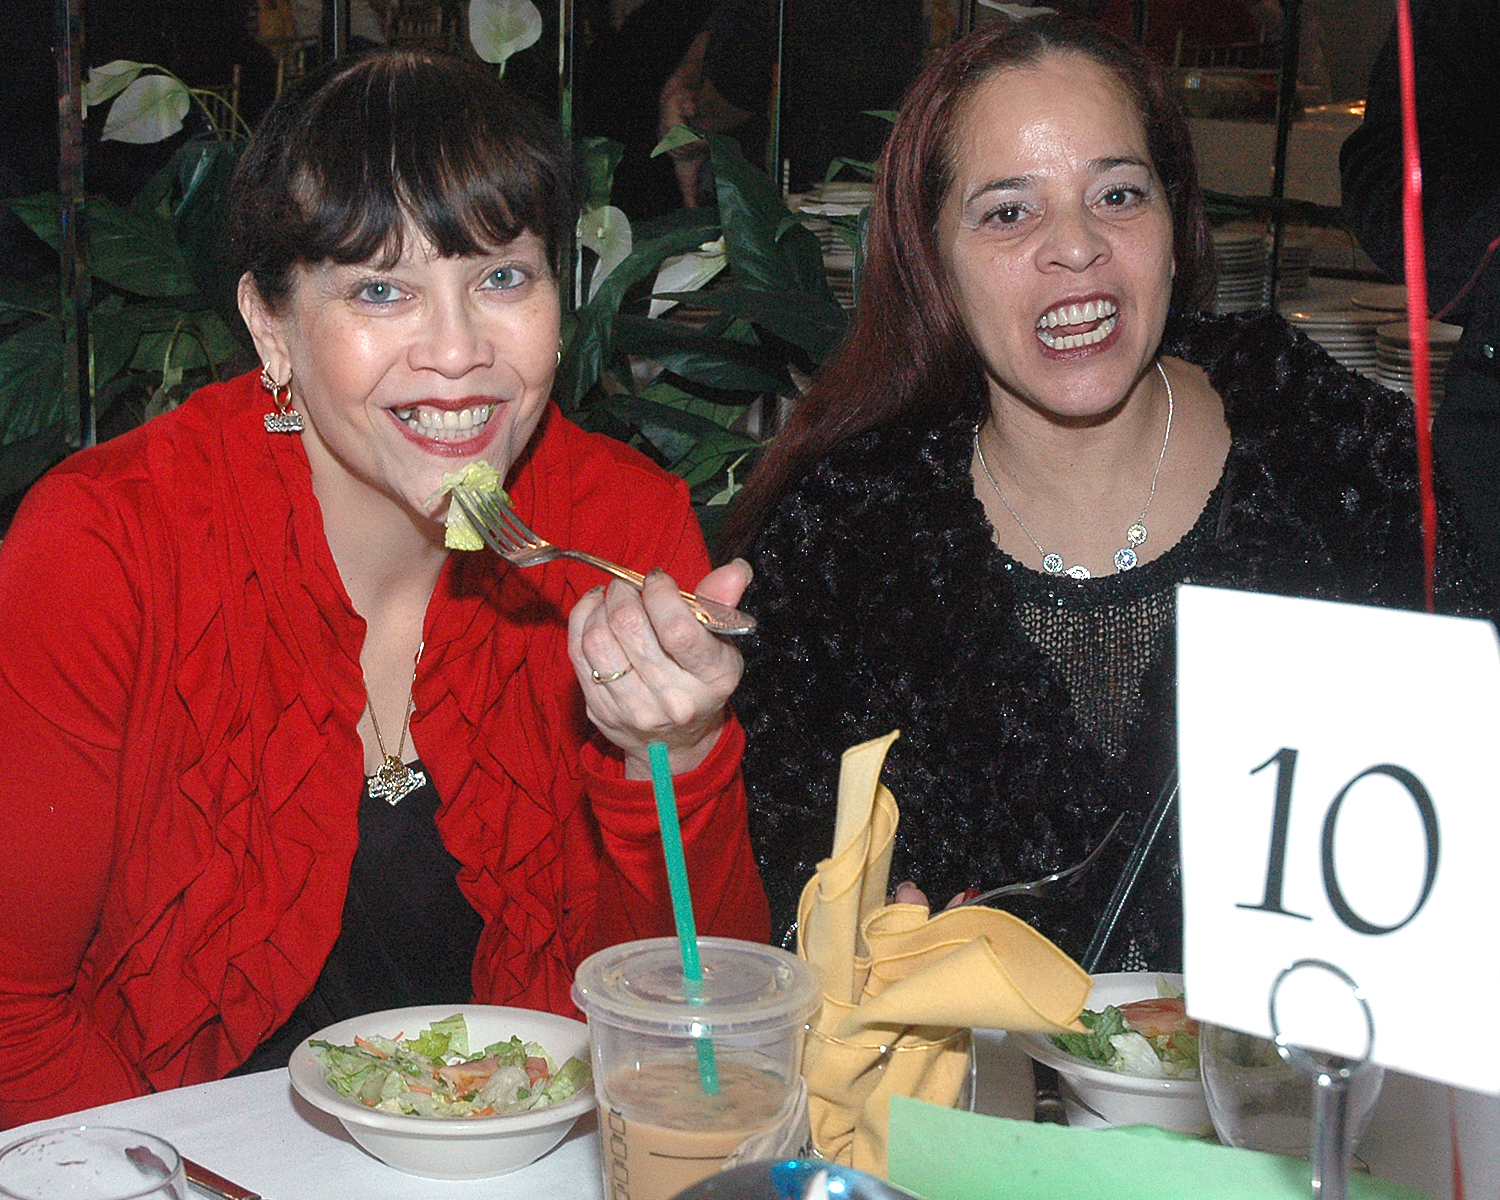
(941, 1154)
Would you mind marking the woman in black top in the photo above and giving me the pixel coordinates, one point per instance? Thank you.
(974, 525)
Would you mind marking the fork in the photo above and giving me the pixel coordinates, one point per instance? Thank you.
(1037, 886)
(516, 542)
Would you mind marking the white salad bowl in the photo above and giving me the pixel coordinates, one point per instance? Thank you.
(1096, 1097)
(451, 1147)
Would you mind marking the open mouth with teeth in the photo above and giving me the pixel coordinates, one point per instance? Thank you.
(445, 424)
(1072, 326)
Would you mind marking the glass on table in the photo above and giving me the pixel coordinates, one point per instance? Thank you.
(91, 1162)
(1259, 1102)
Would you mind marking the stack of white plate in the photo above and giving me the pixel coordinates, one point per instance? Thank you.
(1393, 366)
(841, 279)
(857, 192)
(834, 200)
(1380, 297)
(1244, 261)
(1296, 266)
(1346, 333)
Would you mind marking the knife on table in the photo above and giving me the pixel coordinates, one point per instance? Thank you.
(1050, 1109)
(215, 1184)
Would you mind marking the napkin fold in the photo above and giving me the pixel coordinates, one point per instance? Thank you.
(902, 988)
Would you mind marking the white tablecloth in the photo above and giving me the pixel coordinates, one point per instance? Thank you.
(257, 1132)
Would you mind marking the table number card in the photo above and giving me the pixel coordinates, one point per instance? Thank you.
(1341, 802)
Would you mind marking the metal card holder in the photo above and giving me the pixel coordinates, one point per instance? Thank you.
(1332, 1146)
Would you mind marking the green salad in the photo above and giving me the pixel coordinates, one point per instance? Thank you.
(479, 476)
(435, 1075)
(1152, 1038)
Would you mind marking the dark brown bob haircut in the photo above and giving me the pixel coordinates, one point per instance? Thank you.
(907, 357)
(352, 155)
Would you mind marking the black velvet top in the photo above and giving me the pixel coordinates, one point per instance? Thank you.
(1033, 711)
(408, 934)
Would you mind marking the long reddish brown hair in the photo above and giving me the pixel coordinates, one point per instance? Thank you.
(907, 356)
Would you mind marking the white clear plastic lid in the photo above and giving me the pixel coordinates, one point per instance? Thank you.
(746, 988)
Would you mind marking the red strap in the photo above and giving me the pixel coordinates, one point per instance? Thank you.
(1416, 288)
(1484, 261)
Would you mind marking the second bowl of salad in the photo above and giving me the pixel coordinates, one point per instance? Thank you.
(1138, 1066)
(463, 1091)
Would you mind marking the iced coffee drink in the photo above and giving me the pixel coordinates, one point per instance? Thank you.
(660, 1129)
(659, 1132)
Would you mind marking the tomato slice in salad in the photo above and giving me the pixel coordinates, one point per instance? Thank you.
(1158, 1017)
(468, 1076)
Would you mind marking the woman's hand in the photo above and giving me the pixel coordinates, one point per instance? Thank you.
(650, 672)
(910, 893)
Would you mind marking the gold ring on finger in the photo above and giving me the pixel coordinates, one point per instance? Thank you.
(613, 675)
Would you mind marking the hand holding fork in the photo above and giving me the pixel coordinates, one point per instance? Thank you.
(648, 673)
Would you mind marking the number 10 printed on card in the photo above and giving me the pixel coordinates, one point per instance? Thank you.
(1340, 807)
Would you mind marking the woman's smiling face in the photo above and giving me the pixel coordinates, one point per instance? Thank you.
(1057, 237)
(408, 371)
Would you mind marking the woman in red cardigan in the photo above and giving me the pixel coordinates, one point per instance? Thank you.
(272, 756)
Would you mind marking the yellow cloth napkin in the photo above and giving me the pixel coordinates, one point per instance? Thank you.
(902, 989)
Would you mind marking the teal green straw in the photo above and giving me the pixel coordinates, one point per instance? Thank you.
(682, 903)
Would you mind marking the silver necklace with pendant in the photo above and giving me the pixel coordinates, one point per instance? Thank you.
(1126, 558)
(393, 780)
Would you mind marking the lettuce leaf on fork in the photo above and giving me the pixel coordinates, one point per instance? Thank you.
(478, 476)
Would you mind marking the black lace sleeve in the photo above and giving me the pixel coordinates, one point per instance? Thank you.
(801, 692)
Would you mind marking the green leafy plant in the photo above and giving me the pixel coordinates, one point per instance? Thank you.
(151, 107)
(162, 318)
(690, 319)
(679, 390)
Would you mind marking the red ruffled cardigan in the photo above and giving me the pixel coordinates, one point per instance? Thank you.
(180, 770)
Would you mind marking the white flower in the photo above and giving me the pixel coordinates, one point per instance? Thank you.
(500, 28)
(605, 231)
(149, 110)
(109, 80)
(688, 272)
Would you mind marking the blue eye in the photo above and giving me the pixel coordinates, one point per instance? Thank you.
(504, 278)
(378, 291)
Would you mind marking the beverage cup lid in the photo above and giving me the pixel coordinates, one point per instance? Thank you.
(747, 988)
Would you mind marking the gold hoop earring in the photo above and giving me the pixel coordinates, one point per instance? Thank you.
(285, 419)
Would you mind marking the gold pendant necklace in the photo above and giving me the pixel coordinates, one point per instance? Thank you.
(393, 780)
